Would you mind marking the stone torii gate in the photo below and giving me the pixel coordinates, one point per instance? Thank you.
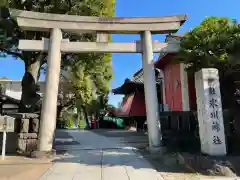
(56, 23)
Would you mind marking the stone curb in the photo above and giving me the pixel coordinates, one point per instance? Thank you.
(43, 154)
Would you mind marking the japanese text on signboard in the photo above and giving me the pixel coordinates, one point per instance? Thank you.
(214, 111)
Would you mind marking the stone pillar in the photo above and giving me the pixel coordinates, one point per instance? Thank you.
(184, 87)
(49, 106)
(150, 91)
(163, 86)
(209, 109)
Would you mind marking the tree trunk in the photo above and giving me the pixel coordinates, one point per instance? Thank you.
(59, 112)
(29, 98)
(86, 119)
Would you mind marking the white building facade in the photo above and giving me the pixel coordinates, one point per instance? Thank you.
(13, 88)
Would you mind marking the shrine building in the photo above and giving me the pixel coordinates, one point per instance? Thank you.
(175, 87)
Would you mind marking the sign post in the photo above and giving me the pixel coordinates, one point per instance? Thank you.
(4, 144)
(6, 125)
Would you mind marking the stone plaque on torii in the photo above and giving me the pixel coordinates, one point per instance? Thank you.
(56, 23)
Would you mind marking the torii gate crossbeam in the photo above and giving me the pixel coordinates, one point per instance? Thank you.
(101, 47)
(56, 23)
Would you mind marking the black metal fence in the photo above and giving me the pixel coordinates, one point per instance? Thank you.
(232, 132)
(180, 130)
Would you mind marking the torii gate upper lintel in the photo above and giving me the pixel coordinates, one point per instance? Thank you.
(35, 21)
(56, 23)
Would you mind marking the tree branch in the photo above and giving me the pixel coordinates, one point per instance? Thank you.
(68, 103)
(44, 59)
(69, 2)
(19, 55)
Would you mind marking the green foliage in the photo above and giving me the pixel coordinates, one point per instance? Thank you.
(86, 90)
(3, 3)
(91, 73)
(214, 43)
(69, 121)
(69, 117)
(82, 85)
(81, 124)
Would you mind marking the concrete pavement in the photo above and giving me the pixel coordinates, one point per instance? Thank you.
(99, 158)
(18, 168)
(94, 156)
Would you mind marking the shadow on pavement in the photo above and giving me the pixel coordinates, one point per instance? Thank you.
(126, 157)
(63, 137)
(118, 133)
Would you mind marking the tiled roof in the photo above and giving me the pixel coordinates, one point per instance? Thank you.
(176, 35)
(138, 77)
(136, 81)
(5, 98)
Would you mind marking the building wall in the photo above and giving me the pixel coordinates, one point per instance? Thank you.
(133, 105)
(125, 105)
(179, 92)
(138, 107)
(192, 92)
(173, 90)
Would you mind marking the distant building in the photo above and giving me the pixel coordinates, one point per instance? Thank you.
(13, 88)
(10, 94)
(175, 87)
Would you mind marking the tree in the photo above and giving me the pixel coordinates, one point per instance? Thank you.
(90, 76)
(66, 98)
(214, 43)
(90, 93)
(35, 60)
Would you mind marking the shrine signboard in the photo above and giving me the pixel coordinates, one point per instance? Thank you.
(6, 124)
(209, 109)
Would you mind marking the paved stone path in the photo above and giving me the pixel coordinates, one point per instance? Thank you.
(96, 156)
(21, 168)
(99, 158)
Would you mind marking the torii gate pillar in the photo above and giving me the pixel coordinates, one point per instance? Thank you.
(49, 108)
(150, 91)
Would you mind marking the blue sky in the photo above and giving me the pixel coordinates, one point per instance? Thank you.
(125, 65)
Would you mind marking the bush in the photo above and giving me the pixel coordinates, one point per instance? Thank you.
(81, 124)
(69, 119)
